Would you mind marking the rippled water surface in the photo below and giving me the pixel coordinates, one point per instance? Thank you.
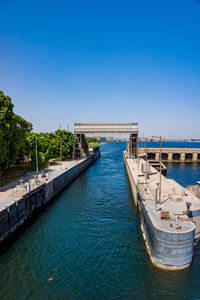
(90, 244)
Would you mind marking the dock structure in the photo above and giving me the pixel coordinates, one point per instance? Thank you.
(173, 154)
(170, 217)
(170, 214)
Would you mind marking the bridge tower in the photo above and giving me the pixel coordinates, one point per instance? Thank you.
(80, 146)
(133, 145)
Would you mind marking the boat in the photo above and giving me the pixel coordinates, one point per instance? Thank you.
(170, 214)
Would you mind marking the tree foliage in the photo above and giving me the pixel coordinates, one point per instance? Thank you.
(65, 139)
(13, 130)
(92, 139)
(17, 141)
(50, 145)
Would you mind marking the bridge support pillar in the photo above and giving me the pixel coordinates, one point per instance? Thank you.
(133, 145)
(80, 148)
(182, 158)
(195, 157)
(170, 157)
(157, 156)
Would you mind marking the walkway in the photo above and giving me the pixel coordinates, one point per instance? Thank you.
(15, 190)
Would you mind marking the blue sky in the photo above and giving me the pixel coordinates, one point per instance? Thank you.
(105, 61)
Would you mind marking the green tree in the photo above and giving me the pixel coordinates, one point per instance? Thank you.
(43, 148)
(49, 145)
(66, 139)
(18, 142)
(91, 139)
(13, 129)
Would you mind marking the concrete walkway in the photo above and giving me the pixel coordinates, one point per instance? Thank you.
(17, 189)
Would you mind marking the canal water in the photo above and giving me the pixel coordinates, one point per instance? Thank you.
(88, 244)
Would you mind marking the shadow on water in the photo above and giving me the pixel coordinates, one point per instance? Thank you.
(88, 245)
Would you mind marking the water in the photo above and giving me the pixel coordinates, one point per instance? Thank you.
(156, 144)
(89, 242)
(184, 173)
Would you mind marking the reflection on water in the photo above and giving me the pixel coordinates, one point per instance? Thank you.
(89, 243)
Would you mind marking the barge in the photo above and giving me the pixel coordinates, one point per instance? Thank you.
(170, 216)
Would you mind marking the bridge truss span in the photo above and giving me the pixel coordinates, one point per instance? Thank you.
(80, 129)
(105, 128)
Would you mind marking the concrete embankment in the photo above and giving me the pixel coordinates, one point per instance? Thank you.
(15, 212)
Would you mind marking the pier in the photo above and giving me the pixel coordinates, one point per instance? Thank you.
(169, 248)
(170, 214)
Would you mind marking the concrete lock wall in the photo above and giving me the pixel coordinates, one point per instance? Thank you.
(22, 209)
(49, 191)
(168, 248)
(4, 228)
(132, 182)
(12, 214)
(194, 216)
(63, 179)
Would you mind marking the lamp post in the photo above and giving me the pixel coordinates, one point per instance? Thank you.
(36, 155)
(160, 158)
(61, 151)
(146, 158)
(61, 139)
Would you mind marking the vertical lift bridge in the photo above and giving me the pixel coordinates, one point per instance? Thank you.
(80, 142)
